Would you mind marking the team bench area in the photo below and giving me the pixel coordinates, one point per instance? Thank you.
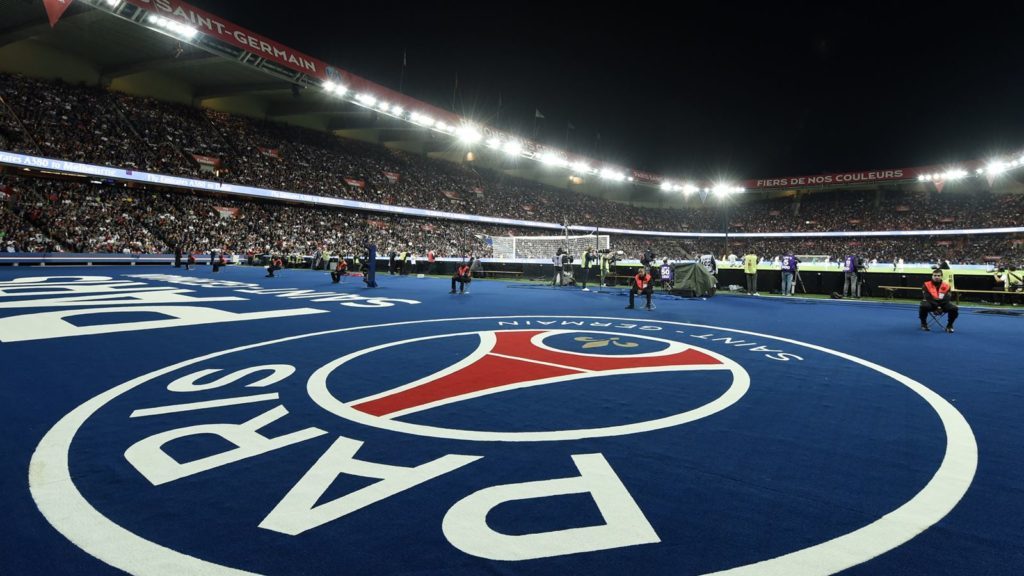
(1003, 296)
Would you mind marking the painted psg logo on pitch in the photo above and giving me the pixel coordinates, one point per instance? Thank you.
(562, 444)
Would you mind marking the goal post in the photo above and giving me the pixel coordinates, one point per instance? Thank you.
(546, 246)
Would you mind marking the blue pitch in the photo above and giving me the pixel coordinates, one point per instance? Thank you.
(820, 446)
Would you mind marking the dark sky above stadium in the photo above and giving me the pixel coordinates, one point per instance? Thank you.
(703, 89)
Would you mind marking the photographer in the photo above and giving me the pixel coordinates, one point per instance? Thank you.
(789, 269)
(648, 258)
(608, 260)
(567, 272)
(589, 258)
(667, 275)
(853, 266)
(557, 261)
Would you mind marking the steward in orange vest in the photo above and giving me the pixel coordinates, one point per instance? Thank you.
(935, 295)
(641, 285)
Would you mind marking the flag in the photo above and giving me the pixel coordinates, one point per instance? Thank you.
(537, 114)
(405, 58)
(55, 9)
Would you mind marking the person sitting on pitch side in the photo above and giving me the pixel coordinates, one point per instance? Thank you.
(341, 269)
(462, 277)
(641, 284)
(936, 297)
(275, 264)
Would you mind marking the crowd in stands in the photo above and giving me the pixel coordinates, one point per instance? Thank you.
(56, 215)
(89, 124)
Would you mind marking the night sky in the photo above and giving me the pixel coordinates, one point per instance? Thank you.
(694, 90)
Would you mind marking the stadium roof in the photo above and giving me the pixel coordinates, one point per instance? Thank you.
(122, 44)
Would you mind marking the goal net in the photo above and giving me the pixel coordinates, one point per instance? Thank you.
(546, 246)
(814, 258)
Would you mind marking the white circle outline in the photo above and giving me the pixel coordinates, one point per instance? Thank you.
(64, 507)
(318, 390)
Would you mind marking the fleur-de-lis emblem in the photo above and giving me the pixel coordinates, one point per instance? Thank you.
(602, 342)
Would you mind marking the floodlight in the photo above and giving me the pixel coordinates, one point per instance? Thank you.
(726, 189)
(609, 174)
(494, 143)
(468, 134)
(513, 148)
(996, 167)
(551, 158)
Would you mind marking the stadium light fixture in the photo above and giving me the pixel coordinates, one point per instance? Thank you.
(667, 186)
(383, 106)
(513, 148)
(365, 99)
(581, 167)
(112, 3)
(421, 119)
(468, 134)
(397, 110)
(328, 86)
(996, 167)
(723, 190)
(689, 189)
(552, 158)
(494, 143)
(609, 174)
(955, 174)
(185, 31)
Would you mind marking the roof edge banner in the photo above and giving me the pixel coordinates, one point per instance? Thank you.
(245, 39)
